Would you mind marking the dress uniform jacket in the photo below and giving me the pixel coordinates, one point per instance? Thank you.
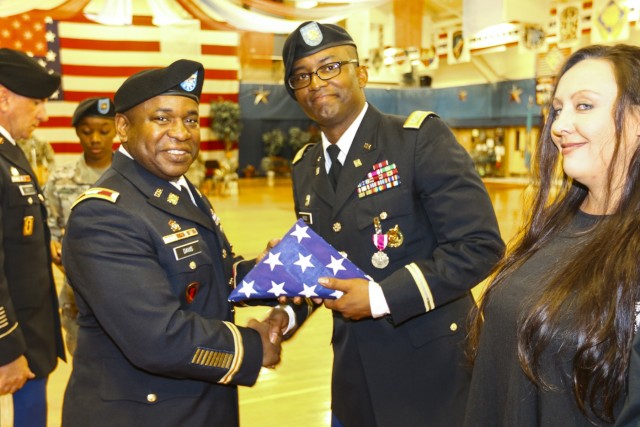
(29, 321)
(151, 273)
(406, 369)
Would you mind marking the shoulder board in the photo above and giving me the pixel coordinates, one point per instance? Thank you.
(300, 154)
(97, 193)
(415, 119)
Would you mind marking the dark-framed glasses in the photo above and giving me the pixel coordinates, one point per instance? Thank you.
(326, 72)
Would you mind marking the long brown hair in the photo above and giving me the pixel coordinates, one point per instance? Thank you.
(588, 303)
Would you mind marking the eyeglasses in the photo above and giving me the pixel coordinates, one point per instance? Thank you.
(326, 72)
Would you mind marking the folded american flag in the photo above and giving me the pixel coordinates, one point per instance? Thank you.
(293, 266)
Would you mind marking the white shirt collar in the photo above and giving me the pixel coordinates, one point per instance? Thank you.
(177, 183)
(345, 141)
(7, 135)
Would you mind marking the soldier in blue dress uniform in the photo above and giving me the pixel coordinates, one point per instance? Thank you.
(30, 337)
(401, 198)
(151, 271)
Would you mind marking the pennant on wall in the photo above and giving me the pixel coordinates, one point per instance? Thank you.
(532, 38)
(609, 21)
(569, 24)
(457, 48)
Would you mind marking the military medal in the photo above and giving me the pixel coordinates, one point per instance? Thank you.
(380, 241)
(380, 259)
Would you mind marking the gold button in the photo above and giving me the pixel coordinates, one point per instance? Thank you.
(224, 253)
(453, 327)
(192, 265)
(383, 215)
(152, 397)
(30, 200)
(337, 227)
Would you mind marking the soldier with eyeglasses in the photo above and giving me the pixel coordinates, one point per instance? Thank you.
(400, 197)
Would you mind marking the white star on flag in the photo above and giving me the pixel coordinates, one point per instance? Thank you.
(247, 288)
(304, 262)
(300, 233)
(336, 265)
(273, 260)
(277, 289)
(299, 263)
(309, 291)
(337, 294)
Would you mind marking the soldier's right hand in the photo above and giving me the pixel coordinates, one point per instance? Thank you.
(56, 252)
(271, 346)
(14, 375)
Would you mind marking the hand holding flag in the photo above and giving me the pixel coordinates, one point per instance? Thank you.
(293, 266)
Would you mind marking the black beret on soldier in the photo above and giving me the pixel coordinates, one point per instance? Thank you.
(184, 77)
(93, 107)
(311, 37)
(23, 75)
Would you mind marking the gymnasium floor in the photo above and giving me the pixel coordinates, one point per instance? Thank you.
(297, 392)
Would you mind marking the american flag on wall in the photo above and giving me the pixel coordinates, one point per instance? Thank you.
(95, 59)
(35, 34)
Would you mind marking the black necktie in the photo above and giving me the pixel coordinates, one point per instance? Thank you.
(184, 192)
(336, 166)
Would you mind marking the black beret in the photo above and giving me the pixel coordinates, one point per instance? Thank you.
(23, 75)
(93, 107)
(183, 77)
(311, 37)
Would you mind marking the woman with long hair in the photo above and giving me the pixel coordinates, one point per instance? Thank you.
(551, 338)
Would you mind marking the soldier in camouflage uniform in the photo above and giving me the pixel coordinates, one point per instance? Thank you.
(94, 124)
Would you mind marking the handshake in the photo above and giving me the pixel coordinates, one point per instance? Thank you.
(271, 331)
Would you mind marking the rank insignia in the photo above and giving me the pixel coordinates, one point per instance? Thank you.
(307, 200)
(357, 163)
(367, 146)
(173, 199)
(415, 119)
(14, 171)
(97, 193)
(174, 225)
(158, 192)
(191, 291)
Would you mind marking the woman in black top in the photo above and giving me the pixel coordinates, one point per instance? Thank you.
(551, 339)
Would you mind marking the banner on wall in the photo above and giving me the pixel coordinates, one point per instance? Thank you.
(429, 57)
(569, 24)
(457, 48)
(609, 21)
(548, 65)
(533, 38)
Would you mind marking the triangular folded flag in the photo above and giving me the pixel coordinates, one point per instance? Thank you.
(293, 266)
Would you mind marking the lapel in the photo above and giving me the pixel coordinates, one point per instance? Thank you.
(362, 155)
(15, 156)
(160, 193)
